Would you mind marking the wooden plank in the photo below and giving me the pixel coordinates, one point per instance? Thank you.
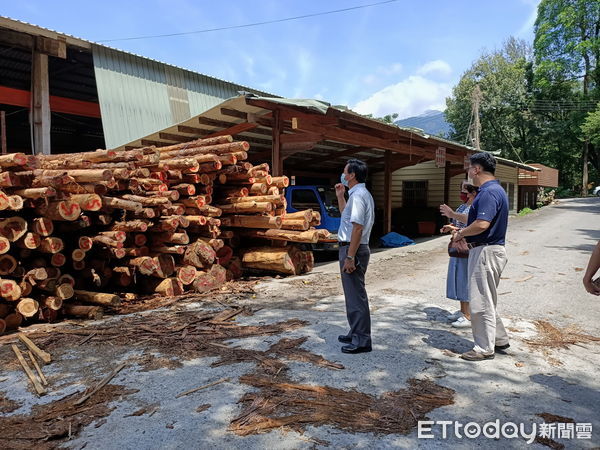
(44, 356)
(173, 137)
(36, 384)
(234, 113)
(197, 132)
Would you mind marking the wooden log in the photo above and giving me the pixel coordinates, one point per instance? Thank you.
(251, 221)
(52, 302)
(146, 265)
(186, 274)
(64, 291)
(42, 226)
(104, 240)
(171, 195)
(13, 228)
(206, 210)
(26, 288)
(306, 215)
(60, 210)
(28, 307)
(196, 143)
(294, 224)
(233, 192)
(119, 236)
(97, 298)
(219, 273)
(273, 190)
(66, 279)
(123, 276)
(8, 264)
(79, 175)
(172, 249)
(188, 164)
(258, 189)
(181, 238)
(136, 252)
(249, 207)
(184, 188)
(308, 237)
(96, 188)
(13, 321)
(197, 201)
(278, 200)
(204, 282)
(4, 245)
(51, 245)
(87, 202)
(199, 254)
(280, 182)
(2, 326)
(15, 202)
(132, 226)
(168, 287)
(270, 259)
(95, 156)
(118, 253)
(10, 179)
(78, 255)
(13, 160)
(147, 201)
(117, 203)
(34, 193)
(224, 255)
(30, 240)
(83, 311)
(165, 266)
(58, 260)
(260, 167)
(216, 244)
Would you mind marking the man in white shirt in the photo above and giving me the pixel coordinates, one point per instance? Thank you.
(358, 215)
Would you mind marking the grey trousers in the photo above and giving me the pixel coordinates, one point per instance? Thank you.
(486, 264)
(357, 301)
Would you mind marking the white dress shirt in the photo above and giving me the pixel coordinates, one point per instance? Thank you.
(360, 209)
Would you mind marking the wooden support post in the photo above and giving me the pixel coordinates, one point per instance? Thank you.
(276, 162)
(40, 114)
(387, 193)
(447, 178)
(3, 132)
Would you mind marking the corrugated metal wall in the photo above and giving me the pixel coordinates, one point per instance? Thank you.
(139, 96)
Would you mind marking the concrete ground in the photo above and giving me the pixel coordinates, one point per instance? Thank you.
(412, 339)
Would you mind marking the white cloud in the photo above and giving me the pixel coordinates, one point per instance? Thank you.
(435, 68)
(409, 97)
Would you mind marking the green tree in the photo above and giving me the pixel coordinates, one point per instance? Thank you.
(591, 131)
(567, 78)
(504, 77)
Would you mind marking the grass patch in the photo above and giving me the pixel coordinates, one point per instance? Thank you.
(525, 211)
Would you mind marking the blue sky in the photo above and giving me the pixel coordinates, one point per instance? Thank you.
(400, 57)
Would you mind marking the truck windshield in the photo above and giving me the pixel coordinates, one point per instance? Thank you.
(330, 201)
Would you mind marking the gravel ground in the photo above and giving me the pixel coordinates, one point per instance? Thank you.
(412, 339)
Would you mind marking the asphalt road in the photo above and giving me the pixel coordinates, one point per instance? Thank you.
(412, 339)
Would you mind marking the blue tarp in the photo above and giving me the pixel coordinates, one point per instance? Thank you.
(395, 240)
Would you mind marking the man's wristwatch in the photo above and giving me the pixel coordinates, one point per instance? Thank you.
(351, 258)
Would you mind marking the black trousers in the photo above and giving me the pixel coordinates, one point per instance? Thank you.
(357, 301)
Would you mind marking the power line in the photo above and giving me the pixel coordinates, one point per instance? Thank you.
(255, 24)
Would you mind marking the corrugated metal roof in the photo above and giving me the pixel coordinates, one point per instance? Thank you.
(5, 22)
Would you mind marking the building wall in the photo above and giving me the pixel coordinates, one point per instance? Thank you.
(508, 176)
(139, 96)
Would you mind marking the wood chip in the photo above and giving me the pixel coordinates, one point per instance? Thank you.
(44, 356)
(100, 385)
(36, 383)
(528, 277)
(191, 391)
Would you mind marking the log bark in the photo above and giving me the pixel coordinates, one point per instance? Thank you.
(83, 311)
(146, 265)
(51, 245)
(270, 259)
(13, 228)
(8, 264)
(97, 298)
(250, 207)
(251, 221)
(30, 240)
(117, 203)
(34, 193)
(168, 287)
(60, 210)
(87, 202)
(199, 254)
(42, 226)
(186, 274)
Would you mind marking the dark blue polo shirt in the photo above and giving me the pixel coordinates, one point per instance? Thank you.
(491, 205)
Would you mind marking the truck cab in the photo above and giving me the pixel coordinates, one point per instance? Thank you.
(321, 199)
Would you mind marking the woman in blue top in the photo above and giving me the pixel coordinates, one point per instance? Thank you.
(457, 283)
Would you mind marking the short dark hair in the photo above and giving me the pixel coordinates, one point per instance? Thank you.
(485, 160)
(471, 189)
(358, 168)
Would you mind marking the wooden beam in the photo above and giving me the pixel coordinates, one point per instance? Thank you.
(387, 193)
(335, 154)
(300, 138)
(234, 113)
(52, 47)
(41, 104)
(236, 129)
(193, 130)
(447, 177)
(276, 160)
(174, 137)
(22, 98)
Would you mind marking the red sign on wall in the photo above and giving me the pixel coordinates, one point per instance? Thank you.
(440, 157)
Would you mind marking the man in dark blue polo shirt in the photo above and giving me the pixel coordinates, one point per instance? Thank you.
(486, 235)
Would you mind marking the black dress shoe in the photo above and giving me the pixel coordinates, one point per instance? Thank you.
(355, 349)
(501, 348)
(345, 339)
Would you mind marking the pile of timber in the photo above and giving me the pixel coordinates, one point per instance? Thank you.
(76, 228)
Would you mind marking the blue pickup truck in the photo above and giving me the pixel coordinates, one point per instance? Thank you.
(321, 199)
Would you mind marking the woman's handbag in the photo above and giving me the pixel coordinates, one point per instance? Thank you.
(458, 249)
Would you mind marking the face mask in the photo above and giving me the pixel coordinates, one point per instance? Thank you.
(343, 180)
(463, 197)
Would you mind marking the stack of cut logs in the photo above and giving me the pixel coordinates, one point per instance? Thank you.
(149, 220)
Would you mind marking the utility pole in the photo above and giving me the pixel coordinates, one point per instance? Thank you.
(475, 128)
